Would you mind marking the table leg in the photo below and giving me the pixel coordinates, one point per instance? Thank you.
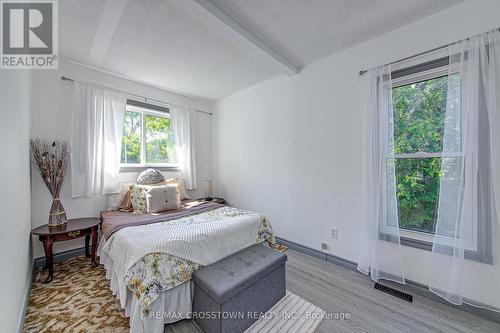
(49, 264)
(87, 242)
(94, 245)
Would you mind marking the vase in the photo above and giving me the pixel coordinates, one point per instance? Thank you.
(57, 215)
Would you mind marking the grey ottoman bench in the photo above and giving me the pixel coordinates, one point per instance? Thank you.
(230, 294)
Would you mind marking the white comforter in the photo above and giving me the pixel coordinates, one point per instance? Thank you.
(199, 239)
(204, 238)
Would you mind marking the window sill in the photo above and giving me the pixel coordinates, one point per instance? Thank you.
(416, 243)
(142, 167)
(424, 241)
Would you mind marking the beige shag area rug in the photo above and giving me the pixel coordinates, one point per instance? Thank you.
(77, 300)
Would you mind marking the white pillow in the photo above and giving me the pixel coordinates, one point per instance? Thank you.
(115, 199)
(182, 186)
(161, 198)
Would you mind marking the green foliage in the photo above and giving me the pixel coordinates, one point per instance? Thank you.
(131, 141)
(159, 139)
(417, 191)
(419, 111)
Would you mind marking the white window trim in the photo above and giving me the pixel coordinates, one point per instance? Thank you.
(134, 166)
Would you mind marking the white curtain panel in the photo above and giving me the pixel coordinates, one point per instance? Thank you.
(467, 223)
(380, 250)
(96, 139)
(182, 127)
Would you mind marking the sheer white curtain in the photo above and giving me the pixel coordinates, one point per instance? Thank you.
(96, 139)
(467, 223)
(182, 127)
(380, 250)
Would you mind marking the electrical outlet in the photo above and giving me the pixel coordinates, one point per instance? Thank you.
(334, 233)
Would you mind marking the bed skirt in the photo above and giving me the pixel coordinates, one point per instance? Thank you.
(172, 305)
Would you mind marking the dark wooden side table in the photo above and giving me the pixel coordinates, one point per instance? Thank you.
(75, 228)
(217, 200)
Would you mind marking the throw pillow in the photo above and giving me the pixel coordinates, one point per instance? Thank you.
(161, 198)
(150, 177)
(182, 186)
(114, 200)
(138, 198)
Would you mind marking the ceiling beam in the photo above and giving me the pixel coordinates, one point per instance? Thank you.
(246, 37)
(111, 16)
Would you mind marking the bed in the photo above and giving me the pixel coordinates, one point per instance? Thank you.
(149, 258)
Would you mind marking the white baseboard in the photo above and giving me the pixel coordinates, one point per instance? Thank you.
(24, 308)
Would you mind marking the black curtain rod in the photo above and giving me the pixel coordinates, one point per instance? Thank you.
(65, 78)
(361, 72)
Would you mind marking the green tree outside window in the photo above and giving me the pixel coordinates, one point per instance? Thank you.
(158, 145)
(419, 113)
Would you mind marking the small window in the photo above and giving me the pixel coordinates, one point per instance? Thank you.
(147, 136)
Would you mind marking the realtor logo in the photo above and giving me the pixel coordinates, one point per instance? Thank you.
(29, 34)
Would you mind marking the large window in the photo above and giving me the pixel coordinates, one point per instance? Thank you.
(147, 136)
(419, 110)
(419, 103)
(419, 96)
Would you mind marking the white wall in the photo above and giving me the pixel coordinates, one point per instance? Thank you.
(51, 118)
(15, 224)
(291, 147)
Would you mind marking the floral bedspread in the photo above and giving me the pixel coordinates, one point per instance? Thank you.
(157, 272)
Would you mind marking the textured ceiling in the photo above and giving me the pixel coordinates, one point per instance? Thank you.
(313, 29)
(179, 52)
(166, 45)
(78, 21)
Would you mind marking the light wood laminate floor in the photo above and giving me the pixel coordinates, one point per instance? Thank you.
(337, 289)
